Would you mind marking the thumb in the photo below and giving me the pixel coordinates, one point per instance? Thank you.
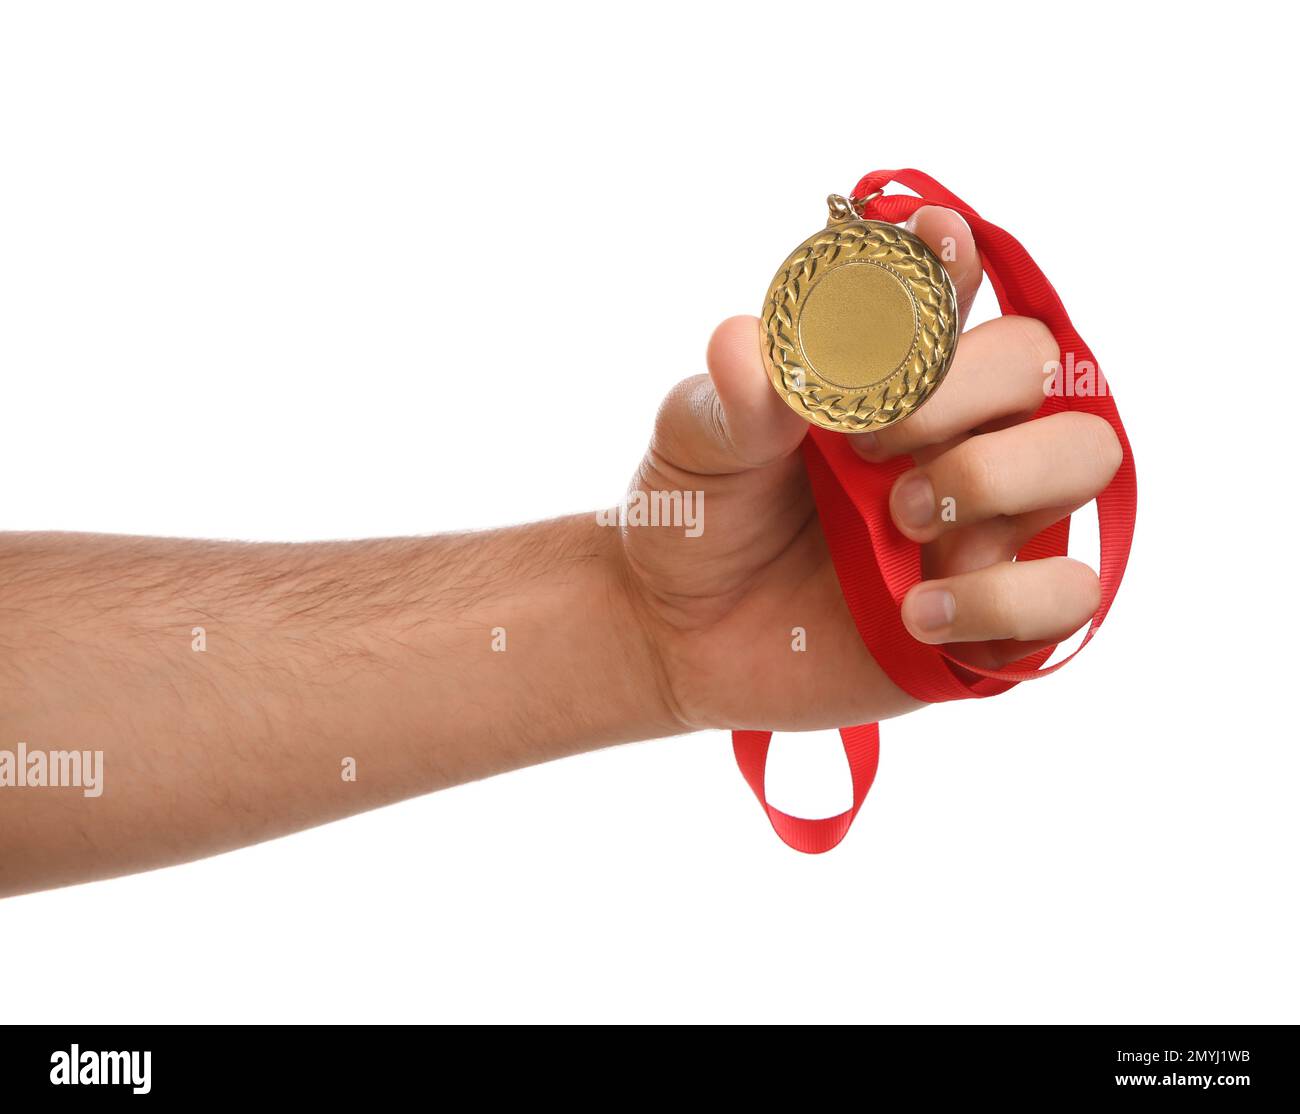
(730, 420)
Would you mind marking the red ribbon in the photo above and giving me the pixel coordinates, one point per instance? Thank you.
(877, 566)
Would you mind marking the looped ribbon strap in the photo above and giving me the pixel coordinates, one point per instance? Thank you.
(877, 566)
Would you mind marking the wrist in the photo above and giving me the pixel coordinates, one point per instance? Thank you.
(636, 641)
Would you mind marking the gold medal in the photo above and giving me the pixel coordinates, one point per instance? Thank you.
(860, 323)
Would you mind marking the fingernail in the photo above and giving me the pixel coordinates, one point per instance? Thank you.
(933, 609)
(865, 443)
(914, 501)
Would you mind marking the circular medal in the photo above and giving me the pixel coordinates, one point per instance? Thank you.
(860, 323)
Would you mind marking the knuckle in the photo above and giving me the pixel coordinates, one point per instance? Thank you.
(674, 424)
(1092, 449)
(1037, 345)
(976, 475)
(1101, 444)
(1033, 352)
(1075, 594)
(921, 428)
(1001, 600)
(1084, 589)
(715, 422)
(666, 418)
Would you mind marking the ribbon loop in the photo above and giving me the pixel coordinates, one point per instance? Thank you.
(861, 747)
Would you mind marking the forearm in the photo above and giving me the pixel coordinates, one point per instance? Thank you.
(427, 662)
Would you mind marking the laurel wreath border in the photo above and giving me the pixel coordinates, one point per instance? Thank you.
(919, 373)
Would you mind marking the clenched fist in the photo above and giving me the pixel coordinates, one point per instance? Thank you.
(719, 609)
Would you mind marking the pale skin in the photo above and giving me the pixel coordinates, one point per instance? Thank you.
(383, 652)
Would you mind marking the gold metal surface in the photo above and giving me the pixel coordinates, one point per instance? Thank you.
(857, 325)
(860, 323)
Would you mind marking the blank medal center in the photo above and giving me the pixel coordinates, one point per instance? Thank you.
(857, 325)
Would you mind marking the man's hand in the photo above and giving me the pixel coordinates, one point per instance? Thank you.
(721, 608)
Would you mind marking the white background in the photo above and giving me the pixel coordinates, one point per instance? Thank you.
(253, 262)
